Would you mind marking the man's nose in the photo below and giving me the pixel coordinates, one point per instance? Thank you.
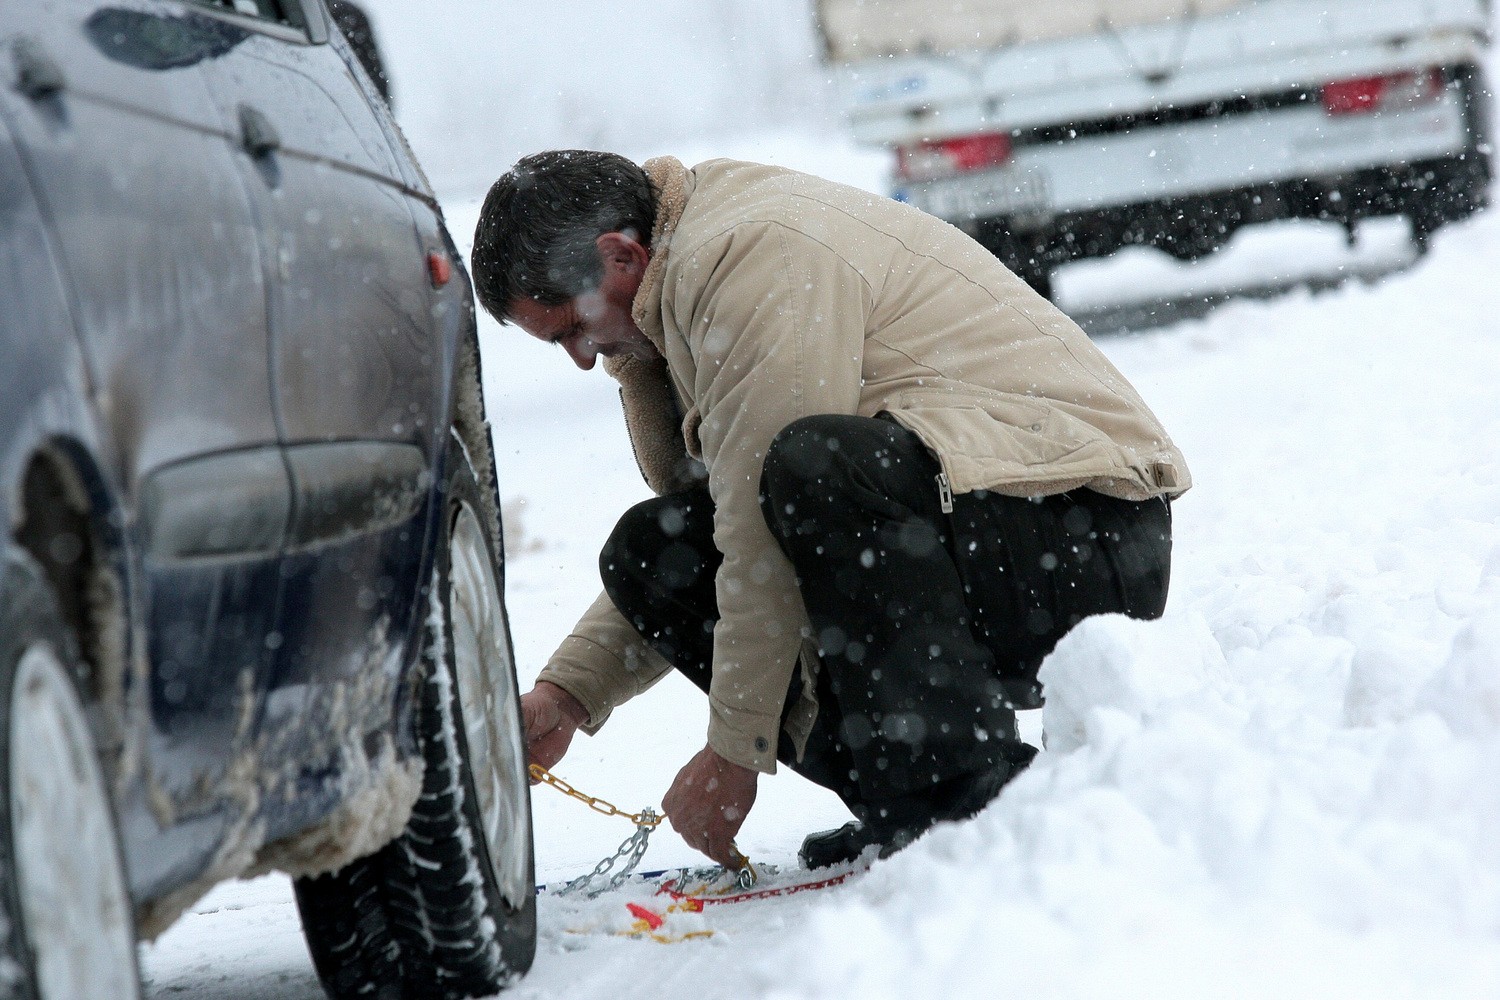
(583, 351)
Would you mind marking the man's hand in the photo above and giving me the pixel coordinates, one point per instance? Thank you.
(708, 802)
(550, 716)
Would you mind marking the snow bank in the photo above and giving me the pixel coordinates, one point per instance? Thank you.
(1113, 673)
(1288, 786)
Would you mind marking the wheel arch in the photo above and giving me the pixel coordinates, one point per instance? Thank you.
(66, 520)
(472, 426)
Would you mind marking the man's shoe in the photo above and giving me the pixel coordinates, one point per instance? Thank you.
(834, 847)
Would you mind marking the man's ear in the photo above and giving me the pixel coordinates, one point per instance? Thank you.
(623, 252)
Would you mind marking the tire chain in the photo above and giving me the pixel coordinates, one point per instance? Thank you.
(632, 850)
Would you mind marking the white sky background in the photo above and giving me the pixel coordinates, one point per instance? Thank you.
(480, 83)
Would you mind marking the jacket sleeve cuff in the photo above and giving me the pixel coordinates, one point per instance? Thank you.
(743, 738)
(603, 663)
(564, 671)
(600, 679)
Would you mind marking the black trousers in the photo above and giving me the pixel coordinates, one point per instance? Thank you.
(930, 625)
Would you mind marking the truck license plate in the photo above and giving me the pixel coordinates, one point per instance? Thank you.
(996, 192)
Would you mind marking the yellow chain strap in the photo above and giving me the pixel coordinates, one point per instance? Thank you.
(647, 818)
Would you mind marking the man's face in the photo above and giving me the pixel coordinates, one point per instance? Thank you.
(597, 322)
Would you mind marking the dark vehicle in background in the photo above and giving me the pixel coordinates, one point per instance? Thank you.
(251, 611)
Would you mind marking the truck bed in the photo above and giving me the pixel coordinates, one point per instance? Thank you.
(855, 30)
(1126, 65)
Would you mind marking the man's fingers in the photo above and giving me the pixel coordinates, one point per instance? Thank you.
(533, 719)
(547, 724)
(717, 848)
(704, 832)
(708, 801)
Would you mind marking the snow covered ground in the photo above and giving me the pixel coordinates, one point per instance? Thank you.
(1286, 788)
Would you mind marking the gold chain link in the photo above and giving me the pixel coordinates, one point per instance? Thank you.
(541, 774)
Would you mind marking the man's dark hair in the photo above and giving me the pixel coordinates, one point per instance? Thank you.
(537, 228)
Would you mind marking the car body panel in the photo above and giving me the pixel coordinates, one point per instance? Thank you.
(172, 273)
(355, 382)
(228, 318)
(1198, 157)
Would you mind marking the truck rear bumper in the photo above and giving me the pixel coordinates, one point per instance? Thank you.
(1431, 192)
(1156, 163)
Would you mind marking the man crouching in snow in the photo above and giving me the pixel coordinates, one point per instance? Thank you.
(889, 478)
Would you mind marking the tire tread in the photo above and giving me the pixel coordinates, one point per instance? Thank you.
(410, 921)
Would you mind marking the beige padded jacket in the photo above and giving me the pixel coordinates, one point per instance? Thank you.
(773, 295)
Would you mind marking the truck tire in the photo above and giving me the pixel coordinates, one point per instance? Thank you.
(1024, 255)
(66, 924)
(1450, 191)
(1039, 278)
(448, 910)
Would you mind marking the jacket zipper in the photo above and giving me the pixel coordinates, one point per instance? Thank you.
(945, 493)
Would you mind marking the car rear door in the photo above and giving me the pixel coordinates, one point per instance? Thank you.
(357, 375)
(133, 169)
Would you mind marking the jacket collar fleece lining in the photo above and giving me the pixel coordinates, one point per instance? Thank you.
(652, 413)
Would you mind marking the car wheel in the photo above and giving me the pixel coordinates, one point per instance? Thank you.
(449, 908)
(66, 925)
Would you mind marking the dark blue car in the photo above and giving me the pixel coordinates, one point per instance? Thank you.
(251, 576)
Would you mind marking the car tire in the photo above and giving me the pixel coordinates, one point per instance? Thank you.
(346, 923)
(449, 909)
(67, 928)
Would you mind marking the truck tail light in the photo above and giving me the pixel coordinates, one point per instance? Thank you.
(944, 157)
(1374, 93)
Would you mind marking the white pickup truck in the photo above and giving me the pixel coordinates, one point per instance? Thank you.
(1053, 131)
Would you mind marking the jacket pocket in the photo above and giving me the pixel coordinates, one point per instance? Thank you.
(999, 438)
(1000, 426)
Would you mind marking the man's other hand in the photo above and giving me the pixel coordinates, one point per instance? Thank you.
(550, 716)
(708, 802)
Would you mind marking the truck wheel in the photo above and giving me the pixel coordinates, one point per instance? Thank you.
(1451, 191)
(66, 925)
(1039, 277)
(449, 909)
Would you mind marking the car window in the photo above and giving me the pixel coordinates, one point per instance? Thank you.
(287, 12)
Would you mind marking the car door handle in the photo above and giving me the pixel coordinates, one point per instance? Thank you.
(257, 134)
(37, 74)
